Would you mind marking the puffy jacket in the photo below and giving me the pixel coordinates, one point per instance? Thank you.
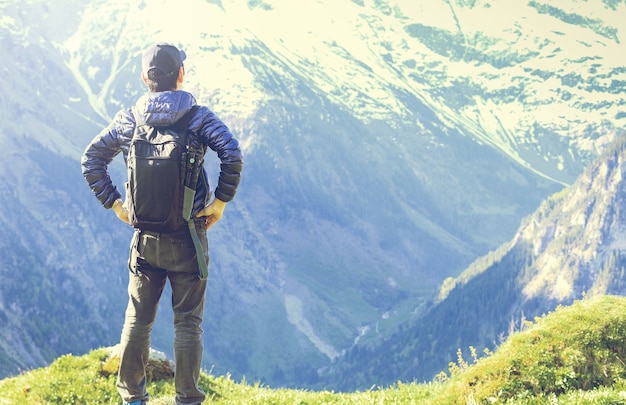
(162, 109)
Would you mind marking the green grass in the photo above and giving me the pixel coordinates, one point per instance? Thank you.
(575, 355)
(90, 379)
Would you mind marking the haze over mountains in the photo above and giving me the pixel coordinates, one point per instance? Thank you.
(571, 248)
(389, 144)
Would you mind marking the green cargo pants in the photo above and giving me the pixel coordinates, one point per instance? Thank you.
(155, 258)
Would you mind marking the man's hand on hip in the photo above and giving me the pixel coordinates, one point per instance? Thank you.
(212, 212)
(120, 211)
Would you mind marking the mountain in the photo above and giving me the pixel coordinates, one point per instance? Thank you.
(388, 145)
(572, 247)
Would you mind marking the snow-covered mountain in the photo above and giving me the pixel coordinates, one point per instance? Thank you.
(388, 144)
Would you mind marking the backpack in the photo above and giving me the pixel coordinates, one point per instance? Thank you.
(162, 176)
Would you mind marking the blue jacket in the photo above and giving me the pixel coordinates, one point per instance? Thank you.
(161, 109)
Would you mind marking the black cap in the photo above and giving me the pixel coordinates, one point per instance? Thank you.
(164, 57)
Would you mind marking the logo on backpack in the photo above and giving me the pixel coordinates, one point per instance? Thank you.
(162, 176)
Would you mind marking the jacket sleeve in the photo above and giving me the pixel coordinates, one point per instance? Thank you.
(214, 134)
(99, 154)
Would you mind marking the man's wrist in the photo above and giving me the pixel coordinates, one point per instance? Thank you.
(117, 202)
(217, 201)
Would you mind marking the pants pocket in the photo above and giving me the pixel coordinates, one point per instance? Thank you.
(133, 253)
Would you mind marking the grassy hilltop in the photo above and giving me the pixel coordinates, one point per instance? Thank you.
(575, 355)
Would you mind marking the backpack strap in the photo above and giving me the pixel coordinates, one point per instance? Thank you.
(193, 169)
(190, 165)
(203, 266)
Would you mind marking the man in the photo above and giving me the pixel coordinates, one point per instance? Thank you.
(157, 257)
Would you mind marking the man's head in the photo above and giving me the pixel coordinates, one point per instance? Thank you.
(162, 67)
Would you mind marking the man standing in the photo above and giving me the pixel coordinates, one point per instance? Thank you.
(179, 255)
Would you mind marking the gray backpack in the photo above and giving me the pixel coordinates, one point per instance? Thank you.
(163, 173)
(162, 176)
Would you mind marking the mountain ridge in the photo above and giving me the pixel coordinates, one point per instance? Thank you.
(572, 247)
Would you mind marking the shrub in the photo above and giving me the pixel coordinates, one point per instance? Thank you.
(580, 347)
